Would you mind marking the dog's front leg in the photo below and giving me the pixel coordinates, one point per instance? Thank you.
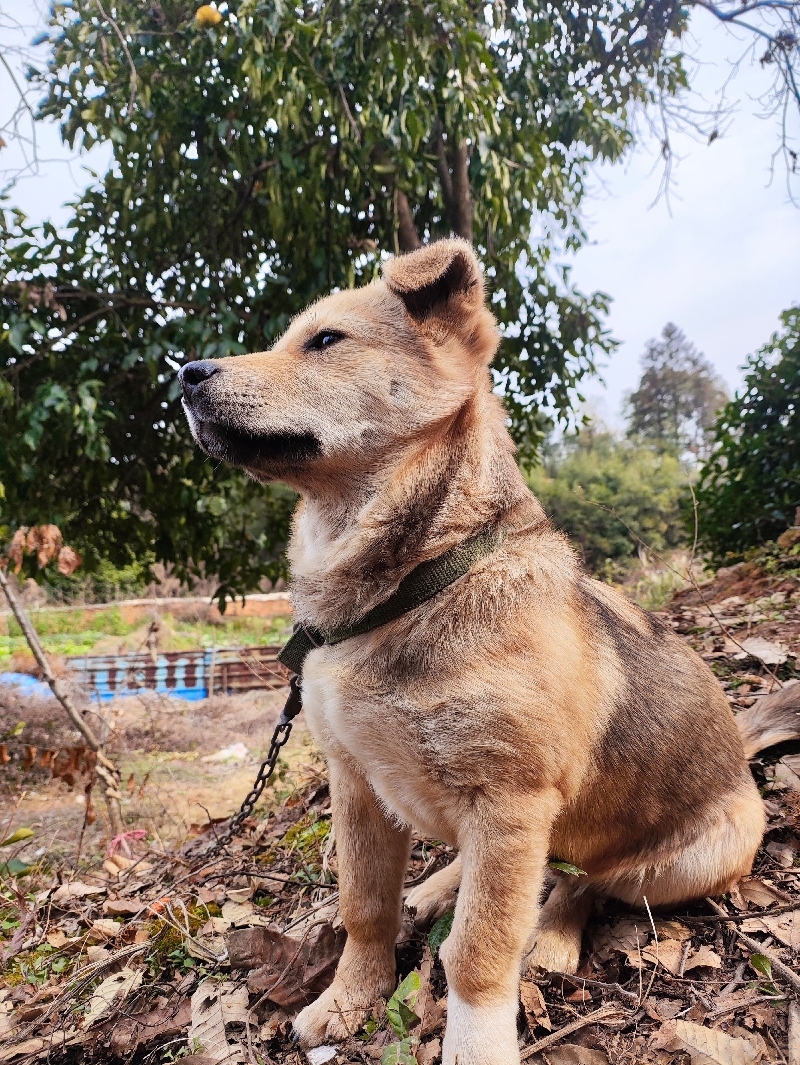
(372, 854)
(504, 852)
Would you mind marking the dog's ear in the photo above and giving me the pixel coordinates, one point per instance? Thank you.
(438, 280)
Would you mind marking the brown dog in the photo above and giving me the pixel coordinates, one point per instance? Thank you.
(525, 711)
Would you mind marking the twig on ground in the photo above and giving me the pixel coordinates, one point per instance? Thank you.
(598, 1016)
(759, 948)
(721, 1010)
(614, 989)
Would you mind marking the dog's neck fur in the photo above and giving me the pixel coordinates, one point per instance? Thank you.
(349, 553)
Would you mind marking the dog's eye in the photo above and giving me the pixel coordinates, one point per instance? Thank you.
(324, 339)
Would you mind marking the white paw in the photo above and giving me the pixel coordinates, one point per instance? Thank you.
(480, 1035)
(334, 1016)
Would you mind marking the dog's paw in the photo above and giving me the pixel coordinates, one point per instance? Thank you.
(433, 898)
(335, 1015)
(554, 950)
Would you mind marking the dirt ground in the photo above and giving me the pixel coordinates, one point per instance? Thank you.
(176, 951)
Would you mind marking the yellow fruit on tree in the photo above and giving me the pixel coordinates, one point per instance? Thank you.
(207, 15)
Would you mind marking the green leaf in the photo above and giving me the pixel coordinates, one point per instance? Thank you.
(440, 931)
(565, 867)
(761, 964)
(18, 836)
(15, 867)
(400, 1007)
(401, 1053)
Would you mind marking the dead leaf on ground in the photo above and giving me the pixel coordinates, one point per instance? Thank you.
(112, 988)
(572, 1054)
(703, 957)
(673, 930)
(784, 926)
(668, 953)
(207, 1028)
(131, 1032)
(534, 1006)
(706, 1046)
(292, 971)
(68, 893)
(29, 1046)
(428, 1052)
(758, 891)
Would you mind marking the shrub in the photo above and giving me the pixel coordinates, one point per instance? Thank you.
(642, 485)
(750, 488)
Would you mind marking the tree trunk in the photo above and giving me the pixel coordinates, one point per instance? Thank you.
(407, 236)
(104, 768)
(452, 164)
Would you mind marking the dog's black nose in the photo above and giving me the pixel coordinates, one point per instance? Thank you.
(193, 374)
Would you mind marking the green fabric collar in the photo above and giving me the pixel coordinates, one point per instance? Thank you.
(421, 584)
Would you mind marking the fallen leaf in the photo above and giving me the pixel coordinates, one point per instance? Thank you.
(771, 654)
(130, 1032)
(711, 1046)
(234, 999)
(572, 1054)
(784, 926)
(581, 995)
(703, 957)
(782, 853)
(207, 1027)
(429, 1052)
(758, 891)
(68, 893)
(104, 929)
(292, 971)
(534, 1005)
(122, 908)
(673, 930)
(112, 988)
(29, 1046)
(669, 954)
(56, 938)
(237, 912)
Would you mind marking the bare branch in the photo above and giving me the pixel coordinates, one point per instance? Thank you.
(126, 50)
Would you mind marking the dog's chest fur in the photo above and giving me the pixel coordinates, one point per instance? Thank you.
(370, 734)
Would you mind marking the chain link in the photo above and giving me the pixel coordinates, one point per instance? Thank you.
(280, 737)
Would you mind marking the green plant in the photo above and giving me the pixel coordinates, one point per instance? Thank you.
(749, 490)
(605, 493)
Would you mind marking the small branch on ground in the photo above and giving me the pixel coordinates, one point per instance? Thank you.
(781, 968)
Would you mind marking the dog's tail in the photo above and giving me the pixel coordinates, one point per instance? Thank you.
(772, 719)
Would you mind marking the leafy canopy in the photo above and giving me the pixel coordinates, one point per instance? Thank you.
(679, 394)
(263, 155)
(749, 490)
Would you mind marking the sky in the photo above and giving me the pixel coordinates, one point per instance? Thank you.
(719, 257)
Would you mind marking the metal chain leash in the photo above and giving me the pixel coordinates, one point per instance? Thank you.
(294, 704)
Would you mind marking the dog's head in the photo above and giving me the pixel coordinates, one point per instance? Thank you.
(359, 374)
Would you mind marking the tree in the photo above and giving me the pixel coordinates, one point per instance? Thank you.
(605, 492)
(678, 396)
(749, 490)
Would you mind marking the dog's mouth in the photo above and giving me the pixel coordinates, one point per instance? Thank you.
(241, 448)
